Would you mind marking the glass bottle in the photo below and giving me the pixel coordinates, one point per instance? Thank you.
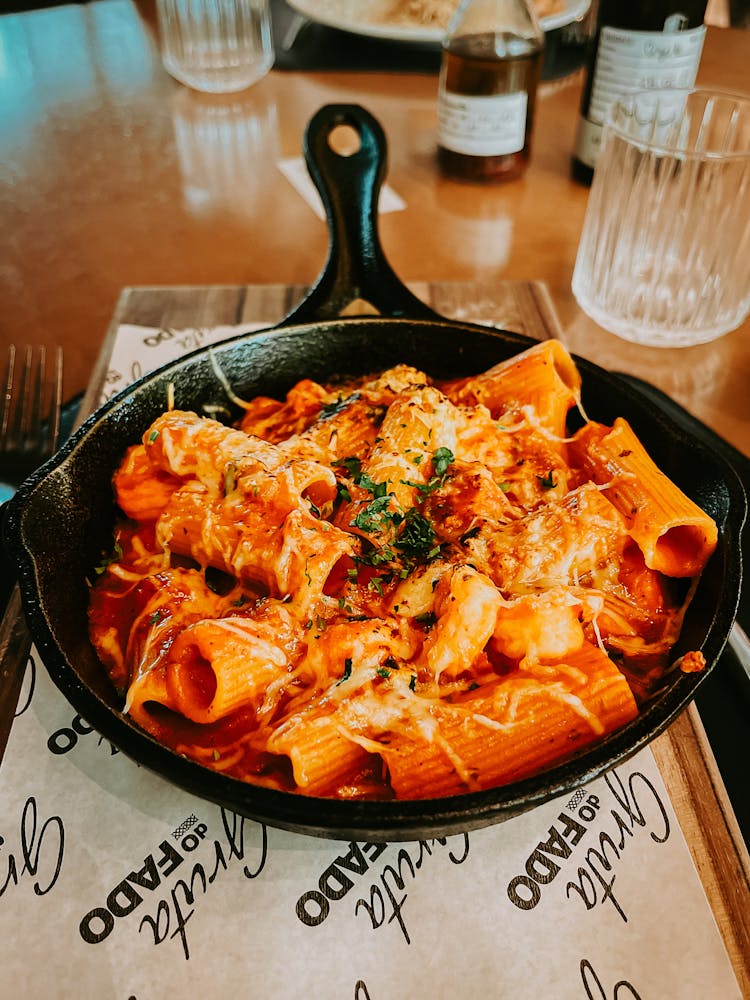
(636, 45)
(491, 65)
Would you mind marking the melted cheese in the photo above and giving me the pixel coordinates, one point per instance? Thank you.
(390, 590)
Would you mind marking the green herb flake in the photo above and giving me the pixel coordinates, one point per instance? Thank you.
(441, 459)
(329, 410)
(374, 515)
(114, 556)
(353, 466)
(369, 484)
(427, 620)
(347, 671)
(417, 538)
(468, 535)
(547, 482)
(153, 436)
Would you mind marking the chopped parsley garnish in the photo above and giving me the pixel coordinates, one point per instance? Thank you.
(417, 538)
(378, 490)
(153, 436)
(375, 515)
(113, 556)
(403, 538)
(383, 672)
(547, 482)
(329, 410)
(441, 459)
(347, 671)
(427, 620)
(471, 533)
(412, 682)
(379, 557)
(353, 466)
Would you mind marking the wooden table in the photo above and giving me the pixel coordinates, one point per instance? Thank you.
(113, 176)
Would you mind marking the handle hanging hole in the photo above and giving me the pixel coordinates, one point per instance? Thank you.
(344, 140)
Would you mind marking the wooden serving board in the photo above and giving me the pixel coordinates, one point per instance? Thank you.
(683, 753)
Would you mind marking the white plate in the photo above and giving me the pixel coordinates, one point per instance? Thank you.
(363, 17)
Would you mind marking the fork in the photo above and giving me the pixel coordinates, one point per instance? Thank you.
(30, 414)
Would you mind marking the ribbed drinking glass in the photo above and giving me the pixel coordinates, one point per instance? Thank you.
(664, 256)
(219, 46)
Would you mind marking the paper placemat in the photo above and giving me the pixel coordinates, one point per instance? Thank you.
(113, 883)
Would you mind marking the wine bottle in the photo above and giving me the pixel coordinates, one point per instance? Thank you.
(491, 65)
(636, 45)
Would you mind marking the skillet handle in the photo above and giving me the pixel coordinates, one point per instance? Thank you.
(349, 186)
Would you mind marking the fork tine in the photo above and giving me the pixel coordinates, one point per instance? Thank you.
(29, 416)
(55, 410)
(31, 402)
(10, 368)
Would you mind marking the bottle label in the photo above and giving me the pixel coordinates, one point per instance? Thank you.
(482, 126)
(629, 61)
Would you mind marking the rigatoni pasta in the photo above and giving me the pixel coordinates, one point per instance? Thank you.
(392, 587)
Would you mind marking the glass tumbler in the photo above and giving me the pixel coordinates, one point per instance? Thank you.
(664, 256)
(218, 46)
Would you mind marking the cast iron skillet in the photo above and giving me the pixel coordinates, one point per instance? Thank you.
(60, 522)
